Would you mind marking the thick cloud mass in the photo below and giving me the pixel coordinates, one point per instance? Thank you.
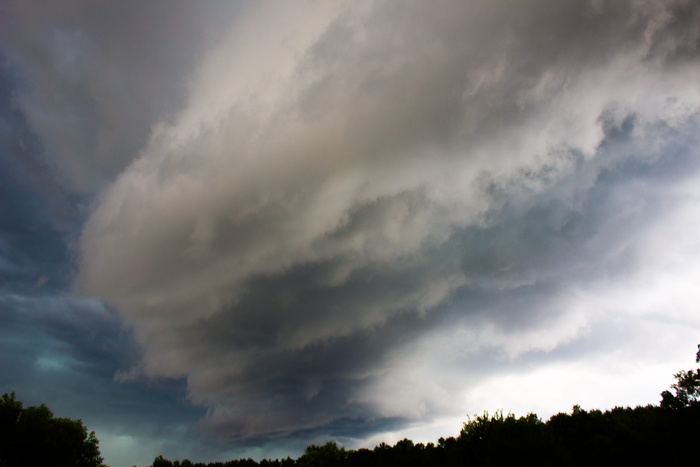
(354, 199)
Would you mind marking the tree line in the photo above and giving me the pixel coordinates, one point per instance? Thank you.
(652, 434)
(649, 435)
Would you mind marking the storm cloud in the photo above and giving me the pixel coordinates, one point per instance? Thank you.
(342, 181)
(235, 228)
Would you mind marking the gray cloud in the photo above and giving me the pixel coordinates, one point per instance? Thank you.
(64, 352)
(347, 221)
(96, 77)
(343, 189)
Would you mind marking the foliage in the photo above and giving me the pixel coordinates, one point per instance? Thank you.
(33, 436)
(323, 456)
(686, 388)
(623, 435)
(501, 439)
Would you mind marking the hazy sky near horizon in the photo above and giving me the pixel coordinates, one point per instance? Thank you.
(231, 229)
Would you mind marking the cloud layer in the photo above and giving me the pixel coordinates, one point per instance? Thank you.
(351, 193)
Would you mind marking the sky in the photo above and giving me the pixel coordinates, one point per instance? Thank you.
(233, 229)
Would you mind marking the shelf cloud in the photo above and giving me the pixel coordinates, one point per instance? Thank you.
(344, 178)
(272, 224)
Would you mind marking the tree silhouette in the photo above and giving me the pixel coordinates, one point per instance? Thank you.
(33, 436)
(323, 456)
(686, 388)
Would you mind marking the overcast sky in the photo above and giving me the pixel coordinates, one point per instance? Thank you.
(235, 229)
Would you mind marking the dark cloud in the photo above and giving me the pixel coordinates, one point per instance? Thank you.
(97, 77)
(36, 216)
(347, 219)
(64, 352)
(81, 85)
(384, 171)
